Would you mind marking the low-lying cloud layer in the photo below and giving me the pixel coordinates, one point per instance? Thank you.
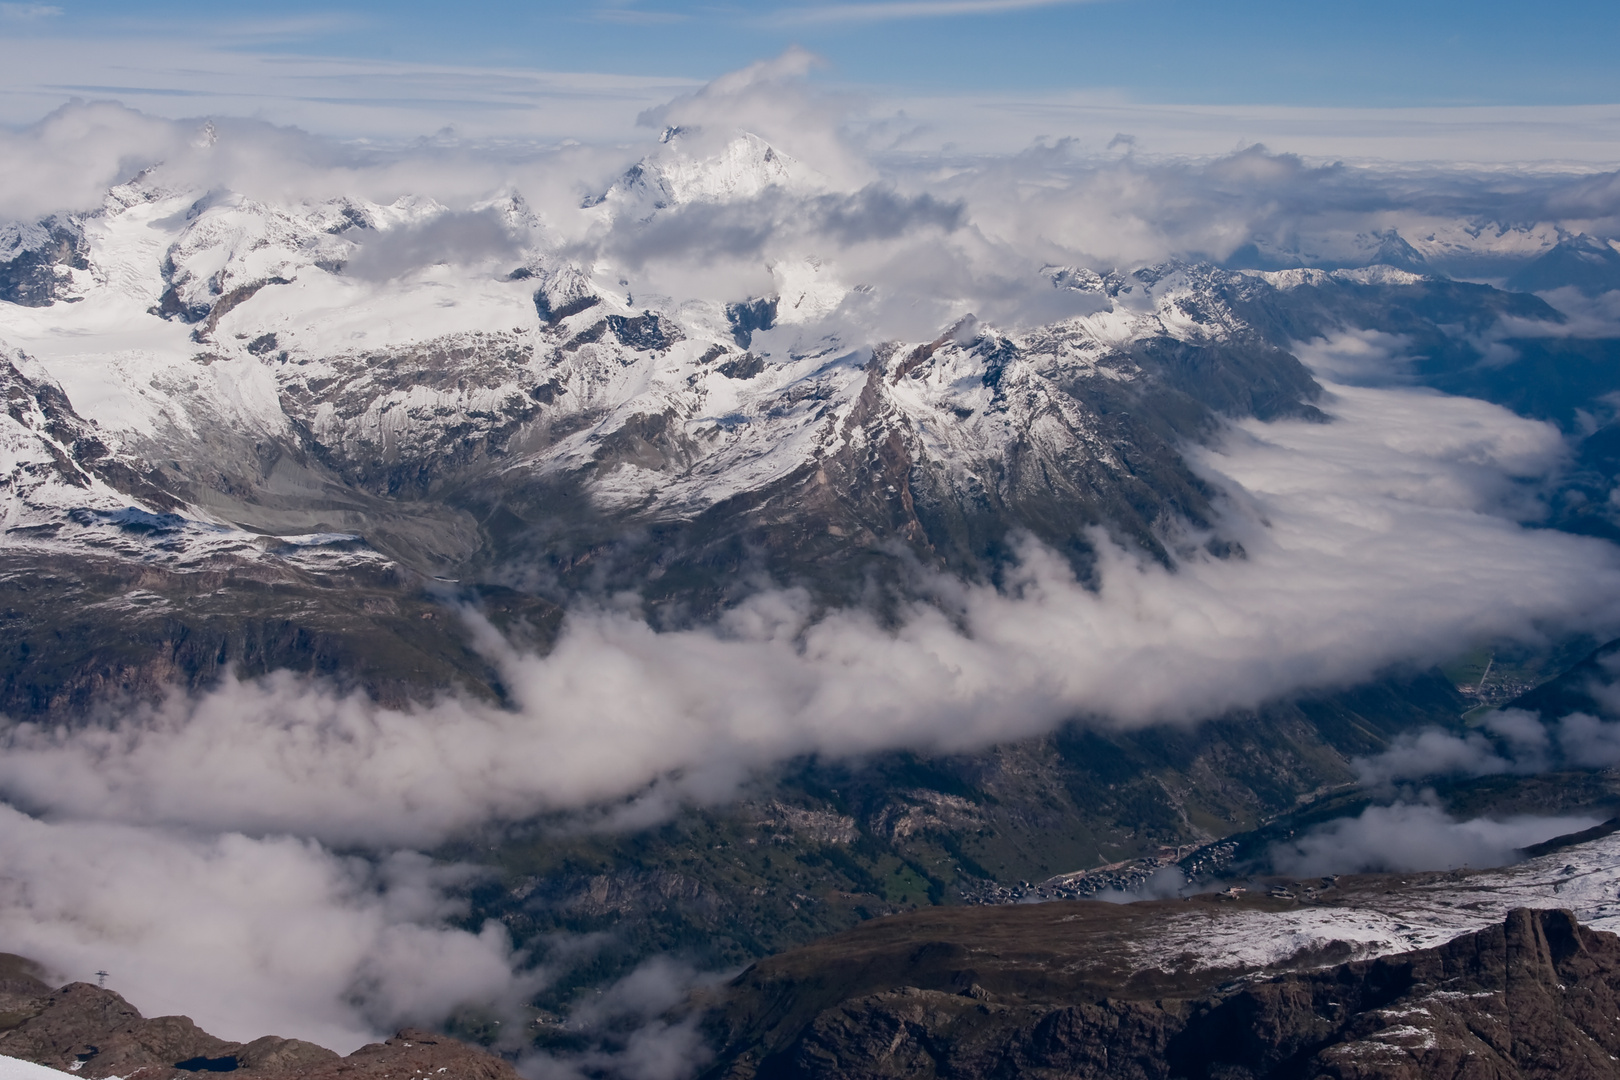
(630, 1032)
(247, 935)
(1414, 833)
(1510, 742)
(1415, 836)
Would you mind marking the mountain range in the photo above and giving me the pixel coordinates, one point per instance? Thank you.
(202, 387)
(404, 448)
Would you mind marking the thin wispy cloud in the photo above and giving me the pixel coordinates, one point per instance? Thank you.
(642, 18)
(230, 31)
(625, 14)
(28, 12)
(912, 9)
(286, 28)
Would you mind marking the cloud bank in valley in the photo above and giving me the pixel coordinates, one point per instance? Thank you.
(1414, 833)
(1416, 836)
(1378, 539)
(247, 935)
(1506, 742)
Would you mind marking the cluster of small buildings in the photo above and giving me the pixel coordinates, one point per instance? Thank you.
(1204, 863)
(1123, 877)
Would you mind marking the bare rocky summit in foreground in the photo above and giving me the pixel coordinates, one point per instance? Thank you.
(95, 1033)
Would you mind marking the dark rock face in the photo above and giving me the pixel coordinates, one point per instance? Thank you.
(745, 366)
(551, 315)
(748, 316)
(926, 1033)
(643, 332)
(31, 255)
(1534, 997)
(95, 1033)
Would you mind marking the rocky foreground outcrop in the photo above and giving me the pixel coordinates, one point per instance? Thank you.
(94, 1033)
(1536, 996)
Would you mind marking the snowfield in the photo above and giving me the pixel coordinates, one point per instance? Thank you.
(1377, 920)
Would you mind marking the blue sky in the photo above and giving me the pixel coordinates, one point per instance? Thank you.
(1304, 52)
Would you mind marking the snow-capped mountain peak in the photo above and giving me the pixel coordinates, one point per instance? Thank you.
(680, 172)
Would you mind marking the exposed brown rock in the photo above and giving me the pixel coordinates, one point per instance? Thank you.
(95, 1034)
(21, 984)
(409, 1053)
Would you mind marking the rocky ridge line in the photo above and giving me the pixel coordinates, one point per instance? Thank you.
(95, 1034)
